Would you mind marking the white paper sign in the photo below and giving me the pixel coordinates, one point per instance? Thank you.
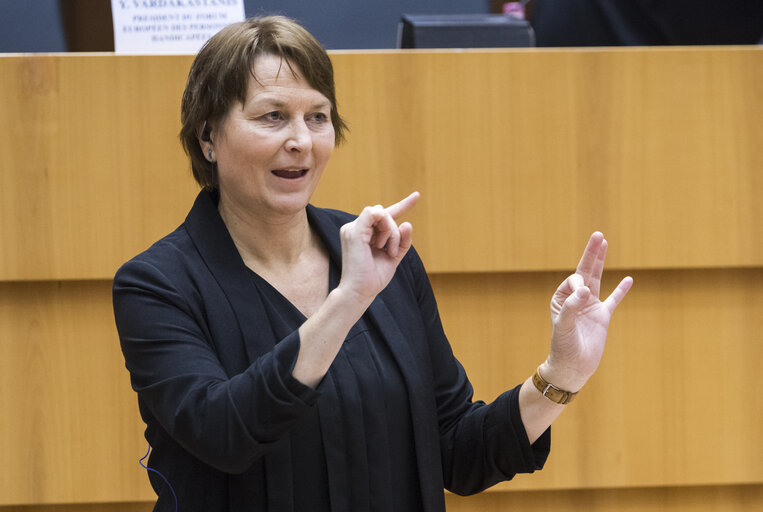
(170, 26)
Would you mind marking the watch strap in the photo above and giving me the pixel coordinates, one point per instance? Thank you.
(550, 391)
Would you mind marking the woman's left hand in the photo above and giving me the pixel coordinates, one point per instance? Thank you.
(580, 320)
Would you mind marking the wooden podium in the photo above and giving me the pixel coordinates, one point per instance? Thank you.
(519, 156)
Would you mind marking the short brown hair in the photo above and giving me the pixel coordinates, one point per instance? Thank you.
(220, 75)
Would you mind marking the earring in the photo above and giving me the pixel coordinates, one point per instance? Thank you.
(211, 165)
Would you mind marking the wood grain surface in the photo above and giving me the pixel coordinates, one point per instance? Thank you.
(518, 155)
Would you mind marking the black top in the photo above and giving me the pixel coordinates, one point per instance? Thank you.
(363, 382)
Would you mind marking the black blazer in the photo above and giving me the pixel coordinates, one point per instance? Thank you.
(215, 388)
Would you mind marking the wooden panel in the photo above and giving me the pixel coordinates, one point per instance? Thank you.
(84, 507)
(739, 498)
(675, 401)
(670, 406)
(70, 430)
(681, 499)
(518, 154)
(94, 172)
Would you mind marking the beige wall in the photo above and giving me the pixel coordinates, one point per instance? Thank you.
(519, 155)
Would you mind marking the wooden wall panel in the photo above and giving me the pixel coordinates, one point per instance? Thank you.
(93, 170)
(680, 499)
(518, 155)
(735, 498)
(70, 430)
(664, 409)
(672, 383)
(145, 506)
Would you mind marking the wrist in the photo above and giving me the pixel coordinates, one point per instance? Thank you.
(551, 391)
(566, 378)
(350, 299)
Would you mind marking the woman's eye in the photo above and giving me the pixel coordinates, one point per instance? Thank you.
(272, 116)
(320, 117)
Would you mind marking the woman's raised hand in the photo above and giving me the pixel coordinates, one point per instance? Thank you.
(580, 320)
(372, 247)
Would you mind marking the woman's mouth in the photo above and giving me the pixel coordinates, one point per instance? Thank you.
(289, 174)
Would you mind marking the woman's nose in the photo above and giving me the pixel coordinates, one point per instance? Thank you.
(299, 138)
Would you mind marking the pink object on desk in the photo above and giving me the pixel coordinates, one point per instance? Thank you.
(514, 9)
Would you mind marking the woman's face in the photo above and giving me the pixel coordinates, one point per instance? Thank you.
(271, 151)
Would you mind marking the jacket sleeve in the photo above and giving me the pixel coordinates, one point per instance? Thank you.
(227, 422)
(481, 444)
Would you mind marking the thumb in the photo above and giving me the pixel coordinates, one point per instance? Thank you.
(574, 303)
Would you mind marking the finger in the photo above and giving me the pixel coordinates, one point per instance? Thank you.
(386, 234)
(406, 239)
(575, 282)
(384, 229)
(380, 226)
(365, 224)
(594, 283)
(591, 252)
(572, 283)
(397, 209)
(392, 235)
(572, 305)
(618, 294)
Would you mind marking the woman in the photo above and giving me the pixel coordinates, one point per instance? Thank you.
(292, 358)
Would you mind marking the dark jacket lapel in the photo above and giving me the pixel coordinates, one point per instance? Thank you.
(216, 247)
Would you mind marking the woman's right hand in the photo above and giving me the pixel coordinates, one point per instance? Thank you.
(372, 247)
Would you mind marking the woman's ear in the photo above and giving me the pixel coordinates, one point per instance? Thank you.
(205, 141)
(205, 133)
